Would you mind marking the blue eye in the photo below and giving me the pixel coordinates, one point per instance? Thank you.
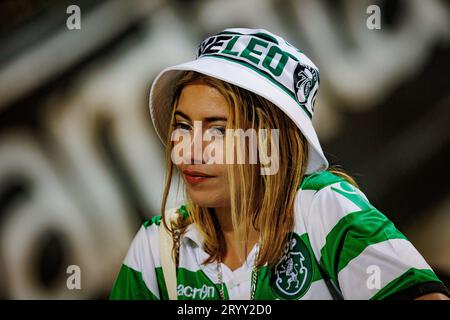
(181, 125)
(218, 130)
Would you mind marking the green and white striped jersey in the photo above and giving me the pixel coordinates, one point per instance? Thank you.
(337, 234)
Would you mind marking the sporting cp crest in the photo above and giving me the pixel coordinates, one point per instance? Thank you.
(306, 83)
(292, 276)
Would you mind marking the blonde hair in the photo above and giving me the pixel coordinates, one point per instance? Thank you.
(269, 199)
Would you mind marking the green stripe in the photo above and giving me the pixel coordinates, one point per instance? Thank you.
(263, 291)
(155, 220)
(353, 233)
(264, 74)
(408, 279)
(161, 284)
(260, 35)
(349, 192)
(129, 285)
(319, 180)
(184, 211)
(266, 36)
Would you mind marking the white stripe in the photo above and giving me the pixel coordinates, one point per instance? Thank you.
(318, 291)
(301, 205)
(392, 258)
(140, 256)
(152, 234)
(303, 200)
(327, 208)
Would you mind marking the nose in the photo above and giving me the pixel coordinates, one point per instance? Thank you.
(197, 143)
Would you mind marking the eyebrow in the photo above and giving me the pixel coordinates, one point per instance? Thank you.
(207, 119)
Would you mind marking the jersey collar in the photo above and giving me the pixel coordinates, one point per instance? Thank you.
(193, 234)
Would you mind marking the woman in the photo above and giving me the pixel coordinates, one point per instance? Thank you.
(264, 218)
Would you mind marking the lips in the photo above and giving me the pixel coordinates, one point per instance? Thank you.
(196, 177)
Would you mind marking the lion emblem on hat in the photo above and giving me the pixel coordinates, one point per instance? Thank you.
(306, 83)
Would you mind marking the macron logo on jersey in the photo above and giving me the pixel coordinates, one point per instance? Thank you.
(204, 292)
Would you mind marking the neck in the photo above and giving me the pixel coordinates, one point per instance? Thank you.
(235, 253)
(223, 215)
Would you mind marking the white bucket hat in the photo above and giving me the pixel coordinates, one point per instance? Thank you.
(260, 62)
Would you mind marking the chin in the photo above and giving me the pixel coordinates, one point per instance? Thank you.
(207, 199)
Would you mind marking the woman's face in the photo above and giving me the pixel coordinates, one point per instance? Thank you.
(202, 112)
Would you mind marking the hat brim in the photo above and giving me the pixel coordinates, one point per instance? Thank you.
(162, 91)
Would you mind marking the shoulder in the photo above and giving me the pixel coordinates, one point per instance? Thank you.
(145, 245)
(319, 180)
(153, 224)
(171, 213)
(147, 234)
(324, 200)
(329, 193)
(143, 251)
(349, 236)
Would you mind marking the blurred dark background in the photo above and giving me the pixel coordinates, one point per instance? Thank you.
(80, 164)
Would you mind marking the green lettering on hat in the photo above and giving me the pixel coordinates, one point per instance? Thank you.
(250, 49)
(230, 46)
(281, 63)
